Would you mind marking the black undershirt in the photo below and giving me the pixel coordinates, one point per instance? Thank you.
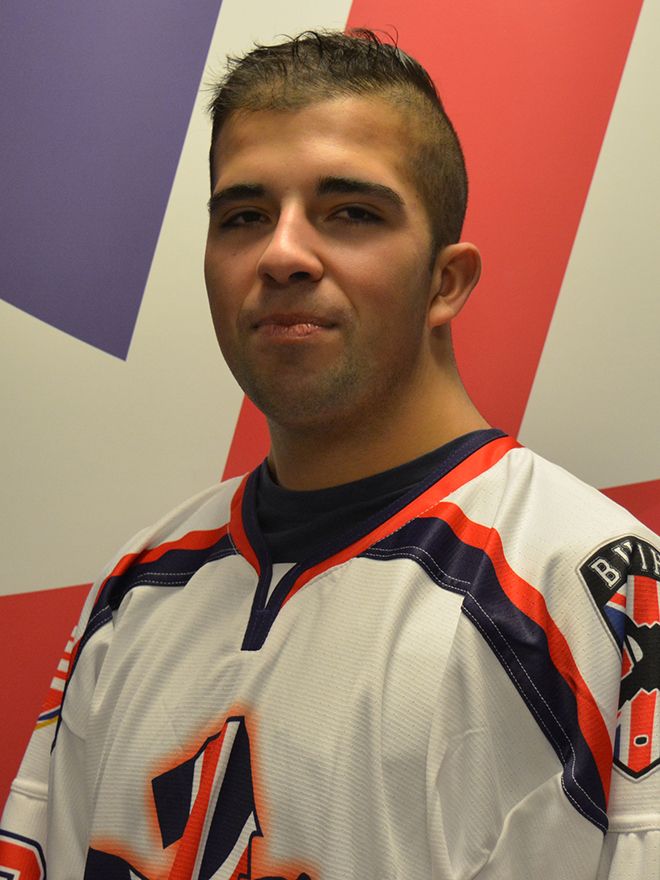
(294, 523)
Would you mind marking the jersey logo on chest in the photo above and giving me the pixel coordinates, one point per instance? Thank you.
(206, 811)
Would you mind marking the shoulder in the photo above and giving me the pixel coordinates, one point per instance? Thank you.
(165, 554)
(548, 514)
(182, 539)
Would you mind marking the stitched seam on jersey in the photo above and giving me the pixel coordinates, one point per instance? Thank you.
(626, 826)
(422, 513)
(20, 789)
(157, 573)
(173, 579)
(221, 554)
(376, 551)
(155, 580)
(544, 701)
(92, 626)
(539, 719)
(573, 761)
(435, 577)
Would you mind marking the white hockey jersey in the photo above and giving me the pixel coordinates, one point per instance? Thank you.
(465, 686)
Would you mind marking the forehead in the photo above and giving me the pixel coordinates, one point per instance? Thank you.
(341, 136)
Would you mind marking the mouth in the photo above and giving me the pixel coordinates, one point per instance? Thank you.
(292, 326)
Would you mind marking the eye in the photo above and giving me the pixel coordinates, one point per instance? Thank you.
(356, 214)
(246, 217)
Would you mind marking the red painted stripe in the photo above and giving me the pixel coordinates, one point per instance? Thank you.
(531, 602)
(646, 607)
(29, 658)
(642, 711)
(530, 88)
(188, 846)
(250, 443)
(237, 530)
(467, 470)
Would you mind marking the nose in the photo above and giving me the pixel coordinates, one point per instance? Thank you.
(291, 253)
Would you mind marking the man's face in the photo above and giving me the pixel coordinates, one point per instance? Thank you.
(318, 261)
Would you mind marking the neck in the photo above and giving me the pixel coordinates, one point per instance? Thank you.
(307, 458)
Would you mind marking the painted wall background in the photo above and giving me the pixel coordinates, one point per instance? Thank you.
(116, 404)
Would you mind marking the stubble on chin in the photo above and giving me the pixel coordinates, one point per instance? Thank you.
(304, 401)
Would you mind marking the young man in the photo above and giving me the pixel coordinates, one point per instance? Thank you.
(404, 646)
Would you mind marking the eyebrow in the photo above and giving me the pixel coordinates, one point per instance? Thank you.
(355, 186)
(236, 193)
(326, 186)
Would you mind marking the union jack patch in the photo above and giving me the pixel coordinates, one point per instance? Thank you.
(624, 580)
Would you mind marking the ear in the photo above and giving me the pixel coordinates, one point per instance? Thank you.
(455, 272)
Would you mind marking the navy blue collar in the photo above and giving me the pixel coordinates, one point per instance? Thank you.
(295, 524)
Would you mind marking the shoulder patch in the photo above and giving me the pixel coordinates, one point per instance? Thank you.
(21, 858)
(623, 578)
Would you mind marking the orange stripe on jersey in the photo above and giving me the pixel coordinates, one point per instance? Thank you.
(474, 465)
(236, 529)
(531, 602)
(41, 724)
(646, 608)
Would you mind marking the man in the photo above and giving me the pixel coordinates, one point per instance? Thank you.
(396, 649)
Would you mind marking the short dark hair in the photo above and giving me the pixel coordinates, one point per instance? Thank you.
(317, 66)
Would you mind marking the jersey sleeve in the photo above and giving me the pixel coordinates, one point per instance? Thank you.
(23, 829)
(623, 578)
(44, 825)
(499, 807)
(548, 745)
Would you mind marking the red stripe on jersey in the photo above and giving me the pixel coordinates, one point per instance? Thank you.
(640, 744)
(531, 602)
(199, 539)
(646, 607)
(236, 529)
(474, 465)
(626, 662)
(188, 847)
(618, 599)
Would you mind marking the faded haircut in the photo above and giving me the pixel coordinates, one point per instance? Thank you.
(318, 66)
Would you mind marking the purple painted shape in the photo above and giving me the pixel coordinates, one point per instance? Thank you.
(95, 99)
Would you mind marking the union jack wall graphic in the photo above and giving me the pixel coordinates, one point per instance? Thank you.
(116, 404)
